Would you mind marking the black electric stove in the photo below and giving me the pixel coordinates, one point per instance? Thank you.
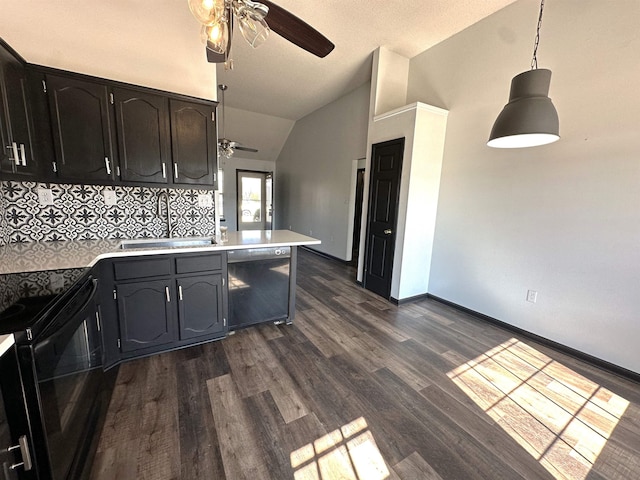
(58, 358)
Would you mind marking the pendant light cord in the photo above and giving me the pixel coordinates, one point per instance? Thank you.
(534, 60)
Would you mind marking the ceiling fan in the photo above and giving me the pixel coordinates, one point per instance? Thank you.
(255, 20)
(227, 147)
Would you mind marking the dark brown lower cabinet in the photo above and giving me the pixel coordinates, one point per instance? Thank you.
(200, 306)
(145, 314)
(161, 303)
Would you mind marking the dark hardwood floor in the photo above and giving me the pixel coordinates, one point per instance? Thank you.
(359, 388)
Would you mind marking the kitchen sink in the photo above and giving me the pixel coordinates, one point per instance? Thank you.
(167, 242)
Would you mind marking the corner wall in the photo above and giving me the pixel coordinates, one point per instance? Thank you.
(314, 178)
(561, 219)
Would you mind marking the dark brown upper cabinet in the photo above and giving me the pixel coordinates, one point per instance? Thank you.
(16, 127)
(193, 143)
(144, 148)
(81, 126)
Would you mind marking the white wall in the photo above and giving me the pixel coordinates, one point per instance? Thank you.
(562, 219)
(230, 166)
(153, 44)
(313, 183)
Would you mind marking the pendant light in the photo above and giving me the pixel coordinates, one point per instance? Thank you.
(529, 119)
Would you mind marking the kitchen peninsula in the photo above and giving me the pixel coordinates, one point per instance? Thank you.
(154, 294)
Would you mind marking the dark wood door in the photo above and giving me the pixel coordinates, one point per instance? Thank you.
(384, 189)
(15, 118)
(145, 313)
(200, 306)
(193, 143)
(81, 126)
(142, 122)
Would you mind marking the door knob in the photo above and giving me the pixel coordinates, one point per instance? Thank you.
(388, 231)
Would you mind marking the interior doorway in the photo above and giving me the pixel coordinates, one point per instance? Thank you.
(384, 191)
(254, 200)
(357, 216)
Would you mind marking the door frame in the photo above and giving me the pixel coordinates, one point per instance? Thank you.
(401, 142)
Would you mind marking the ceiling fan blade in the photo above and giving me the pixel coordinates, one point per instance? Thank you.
(290, 27)
(245, 149)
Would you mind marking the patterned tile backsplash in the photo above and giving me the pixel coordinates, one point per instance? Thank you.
(80, 212)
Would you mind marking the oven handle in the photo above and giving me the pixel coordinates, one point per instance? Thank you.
(66, 327)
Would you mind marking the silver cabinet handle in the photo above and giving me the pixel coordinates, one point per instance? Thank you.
(166, 292)
(388, 231)
(107, 165)
(164, 170)
(175, 170)
(23, 155)
(24, 451)
(180, 292)
(14, 148)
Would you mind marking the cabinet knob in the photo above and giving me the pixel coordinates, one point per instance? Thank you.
(388, 231)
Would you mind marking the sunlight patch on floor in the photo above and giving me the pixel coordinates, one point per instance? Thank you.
(560, 417)
(348, 453)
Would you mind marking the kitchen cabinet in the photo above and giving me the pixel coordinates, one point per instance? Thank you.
(194, 143)
(81, 124)
(142, 124)
(200, 306)
(162, 302)
(16, 127)
(145, 314)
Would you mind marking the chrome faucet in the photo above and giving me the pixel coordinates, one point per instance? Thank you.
(167, 200)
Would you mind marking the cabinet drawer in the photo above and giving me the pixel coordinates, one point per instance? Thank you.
(152, 267)
(198, 263)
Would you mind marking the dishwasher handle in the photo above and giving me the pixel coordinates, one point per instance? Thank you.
(257, 254)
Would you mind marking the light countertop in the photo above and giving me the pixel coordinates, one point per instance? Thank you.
(6, 341)
(43, 256)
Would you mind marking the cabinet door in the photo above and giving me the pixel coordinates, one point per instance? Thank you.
(193, 142)
(81, 126)
(142, 121)
(15, 118)
(200, 306)
(145, 314)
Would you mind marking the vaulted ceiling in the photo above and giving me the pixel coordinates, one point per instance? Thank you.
(157, 44)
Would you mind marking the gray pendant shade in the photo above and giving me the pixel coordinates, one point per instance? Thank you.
(529, 119)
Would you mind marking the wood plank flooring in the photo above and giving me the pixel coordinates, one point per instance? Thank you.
(358, 388)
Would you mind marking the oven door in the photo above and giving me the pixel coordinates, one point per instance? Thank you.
(66, 360)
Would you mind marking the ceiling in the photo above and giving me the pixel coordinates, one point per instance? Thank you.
(280, 79)
(157, 44)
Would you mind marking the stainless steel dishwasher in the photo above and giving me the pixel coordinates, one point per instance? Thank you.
(259, 286)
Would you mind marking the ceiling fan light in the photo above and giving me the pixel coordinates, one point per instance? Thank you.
(207, 12)
(216, 36)
(529, 119)
(253, 27)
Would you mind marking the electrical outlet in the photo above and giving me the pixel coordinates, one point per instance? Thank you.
(310, 232)
(532, 296)
(205, 200)
(56, 281)
(45, 196)
(110, 197)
